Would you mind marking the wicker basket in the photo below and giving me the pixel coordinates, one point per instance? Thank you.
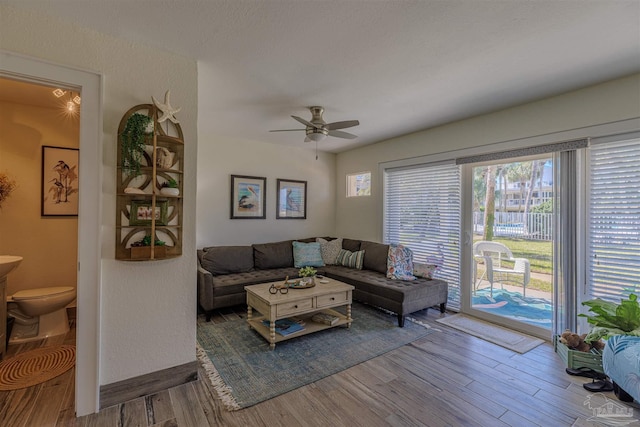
(578, 359)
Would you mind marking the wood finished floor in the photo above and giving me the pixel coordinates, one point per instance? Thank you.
(447, 378)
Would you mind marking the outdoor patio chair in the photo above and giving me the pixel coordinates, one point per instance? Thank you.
(493, 254)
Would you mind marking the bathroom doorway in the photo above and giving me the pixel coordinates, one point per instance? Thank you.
(38, 119)
(89, 85)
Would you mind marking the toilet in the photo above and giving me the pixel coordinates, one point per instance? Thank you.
(39, 313)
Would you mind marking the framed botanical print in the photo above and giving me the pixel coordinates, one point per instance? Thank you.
(248, 197)
(291, 199)
(59, 181)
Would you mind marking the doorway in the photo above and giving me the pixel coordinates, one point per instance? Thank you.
(512, 243)
(88, 290)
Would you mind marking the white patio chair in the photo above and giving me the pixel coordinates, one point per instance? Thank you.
(492, 254)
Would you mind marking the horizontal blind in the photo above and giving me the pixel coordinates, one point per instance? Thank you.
(422, 211)
(613, 269)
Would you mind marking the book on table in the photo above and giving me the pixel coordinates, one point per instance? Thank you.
(326, 318)
(286, 326)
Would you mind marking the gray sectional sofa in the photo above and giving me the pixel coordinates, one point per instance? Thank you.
(224, 271)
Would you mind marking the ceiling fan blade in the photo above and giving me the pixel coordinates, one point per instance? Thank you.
(285, 130)
(341, 125)
(306, 123)
(341, 134)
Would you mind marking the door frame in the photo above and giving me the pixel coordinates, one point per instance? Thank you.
(87, 375)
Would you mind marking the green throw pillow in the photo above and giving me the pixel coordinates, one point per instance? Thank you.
(350, 259)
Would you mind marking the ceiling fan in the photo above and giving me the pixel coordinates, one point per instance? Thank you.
(317, 129)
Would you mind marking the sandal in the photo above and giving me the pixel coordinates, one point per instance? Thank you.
(597, 386)
(586, 372)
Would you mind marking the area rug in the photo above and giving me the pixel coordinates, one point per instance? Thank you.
(504, 337)
(36, 366)
(534, 311)
(243, 371)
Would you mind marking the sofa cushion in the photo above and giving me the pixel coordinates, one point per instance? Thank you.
(350, 259)
(424, 270)
(375, 256)
(227, 259)
(351, 245)
(234, 283)
(307, 255)
(273, 255)
(330, 249)
(400, 263)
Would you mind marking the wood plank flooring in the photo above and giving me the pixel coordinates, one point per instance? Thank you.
(447, 378)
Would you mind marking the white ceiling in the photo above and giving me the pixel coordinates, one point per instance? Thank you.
(398, 66)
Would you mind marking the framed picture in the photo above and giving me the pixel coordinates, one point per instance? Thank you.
(291, 199)
(59, 181)
(142, 212)
(248, 197)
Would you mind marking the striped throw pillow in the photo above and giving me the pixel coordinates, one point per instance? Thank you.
(350, 259)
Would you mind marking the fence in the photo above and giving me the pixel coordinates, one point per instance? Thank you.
(535, 226)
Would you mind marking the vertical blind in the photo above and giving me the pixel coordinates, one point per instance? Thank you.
(613, 268)
(422, 211)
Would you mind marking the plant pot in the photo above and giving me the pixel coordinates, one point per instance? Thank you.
(168, 191)
(144, 252)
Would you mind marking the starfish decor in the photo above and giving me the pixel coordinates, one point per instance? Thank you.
(168, 112)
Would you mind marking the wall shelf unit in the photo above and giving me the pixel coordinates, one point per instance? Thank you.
(142, 210)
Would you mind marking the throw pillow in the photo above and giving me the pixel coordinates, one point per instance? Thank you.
(307, 255)
(400, 263)
(424, 270)
(350, 259)
(330, 249)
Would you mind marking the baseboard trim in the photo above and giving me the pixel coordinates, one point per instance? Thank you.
(133, 388)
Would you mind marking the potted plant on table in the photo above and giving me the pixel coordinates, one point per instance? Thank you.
(308, 274)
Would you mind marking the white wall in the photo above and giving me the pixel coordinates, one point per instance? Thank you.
(220, 157)
(51, 258)
(148, 309)
(600, 104)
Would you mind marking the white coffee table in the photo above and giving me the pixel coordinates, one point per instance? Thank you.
(301, 303)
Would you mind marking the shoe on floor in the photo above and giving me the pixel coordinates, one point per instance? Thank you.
(600, 385)
(586, 372)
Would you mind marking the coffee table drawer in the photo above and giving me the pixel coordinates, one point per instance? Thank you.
(332, 299)
(287, 308)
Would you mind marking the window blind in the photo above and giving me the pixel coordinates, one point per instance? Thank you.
(422, 211)
(613, 268)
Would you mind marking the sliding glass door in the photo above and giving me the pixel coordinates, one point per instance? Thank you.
(510, 236)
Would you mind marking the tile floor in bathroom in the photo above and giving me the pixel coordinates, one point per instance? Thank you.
(48, 404)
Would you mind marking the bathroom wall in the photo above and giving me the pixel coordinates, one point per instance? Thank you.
(48, 244)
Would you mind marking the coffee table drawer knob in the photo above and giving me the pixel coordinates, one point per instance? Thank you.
(332, 299)
(285, 309)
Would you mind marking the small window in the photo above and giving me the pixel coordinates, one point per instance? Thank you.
(359, 184)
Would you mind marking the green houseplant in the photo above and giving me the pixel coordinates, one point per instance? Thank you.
(133, 140)
(611, 319)
(141, 249)
(170, 187)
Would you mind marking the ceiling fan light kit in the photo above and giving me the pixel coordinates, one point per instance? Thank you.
(317, 129)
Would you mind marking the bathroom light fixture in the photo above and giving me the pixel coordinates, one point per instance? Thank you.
(60, 93)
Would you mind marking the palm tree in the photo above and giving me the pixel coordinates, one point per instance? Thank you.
(490, 203)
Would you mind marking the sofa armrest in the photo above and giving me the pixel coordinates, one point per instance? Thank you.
(205, 288)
